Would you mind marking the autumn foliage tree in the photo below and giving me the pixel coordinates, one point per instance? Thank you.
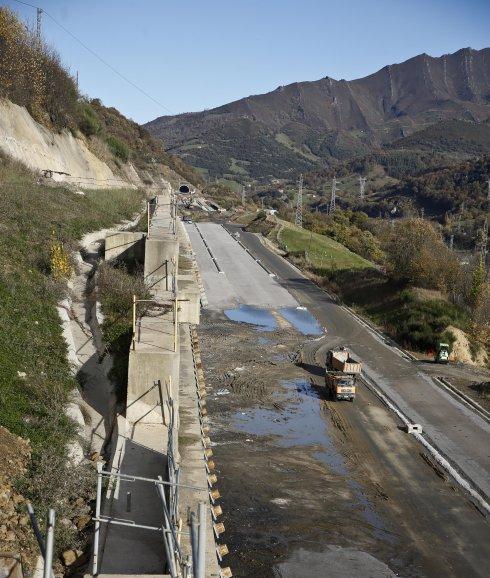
(418, 255)
(32, 75)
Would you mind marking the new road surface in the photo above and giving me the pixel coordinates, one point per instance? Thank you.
(458, 433)
(230, 275)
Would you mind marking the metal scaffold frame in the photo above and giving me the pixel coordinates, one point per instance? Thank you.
(179, 566)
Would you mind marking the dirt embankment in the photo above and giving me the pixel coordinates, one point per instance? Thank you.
(15, 531)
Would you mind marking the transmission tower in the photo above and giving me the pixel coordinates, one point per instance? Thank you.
(362, 186)
(299, 204)
(451, 242)
(484, 240)
(331, 207)
(460, 214)
(39, 22)
(243, 195)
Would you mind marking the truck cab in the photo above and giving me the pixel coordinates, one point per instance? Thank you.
(340, 374)
(341, 386)
(442, 353)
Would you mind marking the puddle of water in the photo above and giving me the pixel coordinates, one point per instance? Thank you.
(253, 315)
(279, 357)
(302, 320)
(298, 424)
(301, 423)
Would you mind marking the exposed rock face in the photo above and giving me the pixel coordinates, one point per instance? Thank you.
(24, 139)
(305, 122)
(461, 350)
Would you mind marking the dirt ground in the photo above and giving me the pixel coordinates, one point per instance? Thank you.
(469, 379)
(303, 478)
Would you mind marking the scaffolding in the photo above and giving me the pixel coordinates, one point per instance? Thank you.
(178, 565)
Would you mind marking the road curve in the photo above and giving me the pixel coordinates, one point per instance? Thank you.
(458, 433)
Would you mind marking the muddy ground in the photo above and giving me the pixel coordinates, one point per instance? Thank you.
(307, 483)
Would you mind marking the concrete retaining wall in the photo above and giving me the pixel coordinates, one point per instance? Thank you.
(160, 256)
(125, 245)
(143, 401)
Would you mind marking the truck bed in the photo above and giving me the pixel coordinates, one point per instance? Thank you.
(349, 365)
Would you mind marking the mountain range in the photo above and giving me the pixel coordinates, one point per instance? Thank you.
(306, 125)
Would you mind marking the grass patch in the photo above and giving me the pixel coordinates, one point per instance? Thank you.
(322, 252)
(35, 378)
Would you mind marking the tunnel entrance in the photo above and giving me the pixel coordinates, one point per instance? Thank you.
(184, 189)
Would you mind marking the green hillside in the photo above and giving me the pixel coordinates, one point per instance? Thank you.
(320, 250)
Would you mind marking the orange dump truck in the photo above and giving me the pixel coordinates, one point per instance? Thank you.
(340, 374)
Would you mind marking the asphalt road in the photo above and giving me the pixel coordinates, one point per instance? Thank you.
(455, 430)
(233, 278)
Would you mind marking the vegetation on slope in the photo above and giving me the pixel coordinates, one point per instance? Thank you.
(416, 290)
(117, 283)
(35, 377)
(32, 75)
(453, 136)
(320, 251)
(447, 189)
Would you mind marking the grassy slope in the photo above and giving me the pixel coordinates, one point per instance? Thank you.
(416, 324)
(323, 252)
(30, 333)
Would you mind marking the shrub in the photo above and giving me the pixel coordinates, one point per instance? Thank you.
(89, 122)
(420, 325)
(118, 148)
(116, 289)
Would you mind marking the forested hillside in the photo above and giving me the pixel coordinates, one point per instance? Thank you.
(310, 124)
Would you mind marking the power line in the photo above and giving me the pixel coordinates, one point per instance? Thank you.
(125, 78)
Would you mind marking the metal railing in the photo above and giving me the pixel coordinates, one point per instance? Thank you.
(46, 545)
(178, 565)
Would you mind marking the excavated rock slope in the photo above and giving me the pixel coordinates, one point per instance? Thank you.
(27, 141)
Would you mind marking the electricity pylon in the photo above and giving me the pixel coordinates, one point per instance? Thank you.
(362, 186)
(331, 207)
(299, 204)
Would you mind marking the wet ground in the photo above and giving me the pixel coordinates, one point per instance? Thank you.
(307, 483)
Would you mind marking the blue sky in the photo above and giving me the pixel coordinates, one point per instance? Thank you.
(196, 54)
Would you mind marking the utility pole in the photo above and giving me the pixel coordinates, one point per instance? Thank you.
(39, 22)
(333, 197)
(243, 195)
(362, 186)
(299, 204)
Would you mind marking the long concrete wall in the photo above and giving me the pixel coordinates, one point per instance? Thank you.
(161, 366)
